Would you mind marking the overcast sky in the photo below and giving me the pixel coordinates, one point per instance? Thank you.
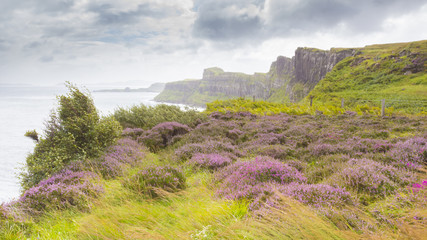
(139, 42)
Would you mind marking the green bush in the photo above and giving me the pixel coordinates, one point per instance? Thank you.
(146, 117)
(74, 132)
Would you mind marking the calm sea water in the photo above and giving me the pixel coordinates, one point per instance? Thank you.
(27, 108)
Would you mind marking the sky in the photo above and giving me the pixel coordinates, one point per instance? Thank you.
(139, 42)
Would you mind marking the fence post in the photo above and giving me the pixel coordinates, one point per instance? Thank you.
(254, 98)
(342, 102)
(382, 107)
(311, 100)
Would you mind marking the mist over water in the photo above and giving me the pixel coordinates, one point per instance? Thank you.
(27, 108)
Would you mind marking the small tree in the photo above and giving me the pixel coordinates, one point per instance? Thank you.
(74, 132)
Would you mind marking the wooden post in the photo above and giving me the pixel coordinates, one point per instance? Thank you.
(342, 102)
(311, 100)
(254, 98)
(382, 107)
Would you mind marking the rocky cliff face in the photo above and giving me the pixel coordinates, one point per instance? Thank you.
(289, 79)
(311, 66)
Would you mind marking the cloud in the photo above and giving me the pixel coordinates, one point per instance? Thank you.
(234, 20)
(221, 20)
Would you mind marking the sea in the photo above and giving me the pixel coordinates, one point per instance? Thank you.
(25, 108)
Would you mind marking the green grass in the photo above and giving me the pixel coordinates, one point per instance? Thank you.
(378, 72)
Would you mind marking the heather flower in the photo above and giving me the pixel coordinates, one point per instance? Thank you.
(64, 190)
(210, 161)
(410, 154)
(252, 180)
(118, 158)
(147, 181)
(372, 178)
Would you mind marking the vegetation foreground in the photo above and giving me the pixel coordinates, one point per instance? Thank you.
(226, 173)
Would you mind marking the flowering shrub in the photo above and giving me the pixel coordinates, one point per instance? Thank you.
(410, 154)
(64, 190)
(133, 133)
(167, 178)
(163, 134)
(186, 152)
(274, 151)
(252, 180)
(118, 158)
(210, 161)
(416, 187)
(372, 178)
(317, 194)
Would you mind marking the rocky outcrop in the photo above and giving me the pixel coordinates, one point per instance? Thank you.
(289, 79)
(311, 66)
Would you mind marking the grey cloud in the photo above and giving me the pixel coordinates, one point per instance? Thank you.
(53, 6)
(314, 15)
(227, 19)
(4, 45)
(46, 59)
(108, 15)
(287, 18)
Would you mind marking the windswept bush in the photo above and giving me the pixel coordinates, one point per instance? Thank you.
(210, 161)
(74, 132)
(146, 117)
(147, 181)
(163, 135)
(64, 190)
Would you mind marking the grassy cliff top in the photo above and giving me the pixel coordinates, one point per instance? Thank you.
(394, 72)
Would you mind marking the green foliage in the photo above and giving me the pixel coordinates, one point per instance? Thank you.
(395, 72)
(74, 132)
(32, 134)
(268, 108)
(146, 117)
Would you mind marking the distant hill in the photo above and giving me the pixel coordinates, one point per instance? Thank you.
(396, 72)
(155, 87)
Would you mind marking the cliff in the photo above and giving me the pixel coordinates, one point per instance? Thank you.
(289, 79)
(395, 72)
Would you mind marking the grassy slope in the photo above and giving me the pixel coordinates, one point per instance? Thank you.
(120, 214)
(378, 72)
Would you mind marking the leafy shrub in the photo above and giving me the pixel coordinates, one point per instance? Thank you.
(163, 135)
(146, 117)
(210, 161)
(74, 132)
(252, 180)
(118, 158)
(64, 190)
(146, 182)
